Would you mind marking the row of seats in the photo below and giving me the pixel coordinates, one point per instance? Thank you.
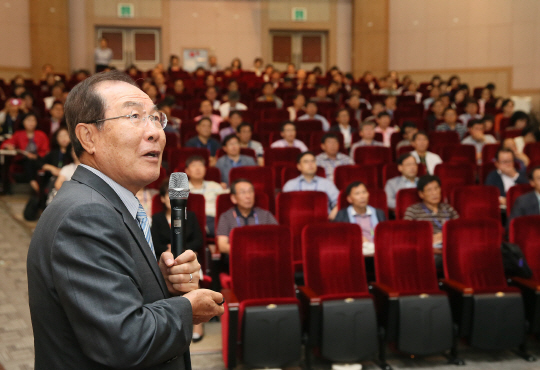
(347, 319)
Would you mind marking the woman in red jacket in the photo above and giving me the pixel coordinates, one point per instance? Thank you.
(31, 145)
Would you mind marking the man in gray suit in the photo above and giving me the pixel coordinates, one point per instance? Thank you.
(529, 203)
(98, 297)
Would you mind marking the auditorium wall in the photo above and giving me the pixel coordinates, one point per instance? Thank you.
(15, 40)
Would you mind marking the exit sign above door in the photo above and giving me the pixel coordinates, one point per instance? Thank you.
(299, 14)
(125, 10)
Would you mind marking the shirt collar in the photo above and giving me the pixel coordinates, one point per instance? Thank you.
(239, 214)
(130, 201)
(508, 177)
(302, 178)
(368, 212)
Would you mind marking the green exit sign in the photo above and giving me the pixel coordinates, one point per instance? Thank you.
(125, 10)
(299, 14)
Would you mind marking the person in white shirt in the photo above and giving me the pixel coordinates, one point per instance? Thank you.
(196, 171)
(477, 137)
(102, 55)
(420, 144)
(311, 113)
(233, 104)
(299, 104)
(288, 133)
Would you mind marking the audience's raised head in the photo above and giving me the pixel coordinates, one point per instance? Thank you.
(206, 108)
(210, 81)
(420, 142)
(268, 89)
(531, 134)
(30, 122)
(450, 116)
(488, 122)
(311, 108)
(407, 166)
(476, 129)
(357, 195)
(504, 161)
(519, 120)
(507, 107)
(367, 130)
(377, 108)
(57, 110)
(342, 117)
(288, 131)
(409, 129)
(245, 132)
(353, 102)
(60, 139)
(330, 144)
(231, 146)
(243, 194)
(307, 164)
(179, 86)
(236, 64)
(429, 190)
(299, 101)
(211, 94)
(390, 102)
(204, 127)
(454, 82)
(320, 92)
(195, 168)
(471, 107)
(383, 120)
(235, 118)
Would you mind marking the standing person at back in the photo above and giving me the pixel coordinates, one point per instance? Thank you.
(232, 159)
(102, 55)
(420, 144)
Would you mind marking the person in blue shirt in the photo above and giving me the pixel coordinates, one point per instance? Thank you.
(309, 181)
(204, 139)
(233, 159)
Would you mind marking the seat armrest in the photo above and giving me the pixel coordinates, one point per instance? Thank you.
(455, 286)
(230, 298)
(308, 295)
(384, 289)
(523, 283)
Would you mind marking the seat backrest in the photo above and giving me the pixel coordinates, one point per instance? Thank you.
(404, 256)
(372, 155)
(458, 153)
(245, 151)
(532, 150)
(524, 231)
(157, 206)
(177, 157)
(513, 193)
(472, 253)
(273, 155)
(197, 205)
(224, 203)
(308, 125)
(404, 199)
(332, 258)
(261, 178)
(476, 201)
(368, 174)
(437, 139)
(489, 151)
(377, 199)
(261, 263)
(297, 209)
(454, 174)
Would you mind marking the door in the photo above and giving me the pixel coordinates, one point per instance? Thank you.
(305, 49)
(139, 46)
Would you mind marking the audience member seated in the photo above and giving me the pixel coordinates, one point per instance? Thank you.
(196, 171)
(420, 144)
(361, 213)
(29, 105)
(471, 112)
(206, 112)
(530, 134)
(408, 130)
(433, 210)
(435, 114)
(383, 126)
(204, 139)
(11, 117)
(244, 133)
(269, 95)
(506, 175)
(58, 157)
(434, 94)
(161, 236)
(378, 107)
(232, 159)
(289, 140)
(451, 123)
(67, 171)
(408, 168)
(173, 123)
(32, 145)
(320, 95)
(331, 158)
(507, 108)
(390, 105)
(309, 181)
(311, 113)
(57, 94)
(477, 137)
(244, 213)
(57, 115)
(518, 121)
(367, 133)
(298, 107)
(354, 102)
(528, 204)
(232, 104)
(235, 119)
(521, 158)
(344, 126)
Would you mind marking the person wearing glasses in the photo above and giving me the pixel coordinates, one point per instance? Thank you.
(92, 271)
(506, 175)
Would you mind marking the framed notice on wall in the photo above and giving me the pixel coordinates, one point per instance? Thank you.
(194, 58)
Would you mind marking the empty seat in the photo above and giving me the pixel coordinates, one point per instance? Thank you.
(438, 139)
(368, 174)
(404, 199)
(476, 201)
(458, 153)
(454, 174)
(372, 155)
(176, 157)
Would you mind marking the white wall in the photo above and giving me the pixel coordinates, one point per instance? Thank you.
(77, 35)
(15, 34)
(464, 34)
(344, 35)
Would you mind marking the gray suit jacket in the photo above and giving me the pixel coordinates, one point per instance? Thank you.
(97, 297)
(525, 205)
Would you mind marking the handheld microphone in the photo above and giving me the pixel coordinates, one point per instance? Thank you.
(178, 195)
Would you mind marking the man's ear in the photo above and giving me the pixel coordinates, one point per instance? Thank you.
(86, 133)
(233, 199)
(421, 194)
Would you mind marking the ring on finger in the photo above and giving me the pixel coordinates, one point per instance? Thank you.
(190, 278)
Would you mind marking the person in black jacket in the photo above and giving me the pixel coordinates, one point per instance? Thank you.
(161, 237)
(161, 226)
(506, 175)
(529, 203)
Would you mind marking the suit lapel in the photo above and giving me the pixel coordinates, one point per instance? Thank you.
(88, 178)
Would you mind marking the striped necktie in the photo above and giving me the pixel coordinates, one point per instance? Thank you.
(142, 219)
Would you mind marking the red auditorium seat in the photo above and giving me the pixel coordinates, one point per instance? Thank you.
(414, 313)
(259, 105)
(172, 140)
(489, 313)
(372, 155)
(297, 209)
(342, 320)
(262, 279)
(489, 151)
(377, 199)
(368, 174)
(157, 206)
(524, 231)
(176, 157)
(532, 150)
(277, 158)
(245, 151)
(197, 205)
(505, 134)
(483, 170)
(438, 139)
(261, 178)
(404, 199)
(309, 126)
(454, 174)
(513, 193)
(458, 153)
(274, 114)
(403, 150)
(476, 202)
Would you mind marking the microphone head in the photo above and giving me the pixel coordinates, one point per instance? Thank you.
(178, 186)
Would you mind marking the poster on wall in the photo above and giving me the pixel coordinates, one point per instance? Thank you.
(195, 58)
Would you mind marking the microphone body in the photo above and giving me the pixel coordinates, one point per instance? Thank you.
(178, 195)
